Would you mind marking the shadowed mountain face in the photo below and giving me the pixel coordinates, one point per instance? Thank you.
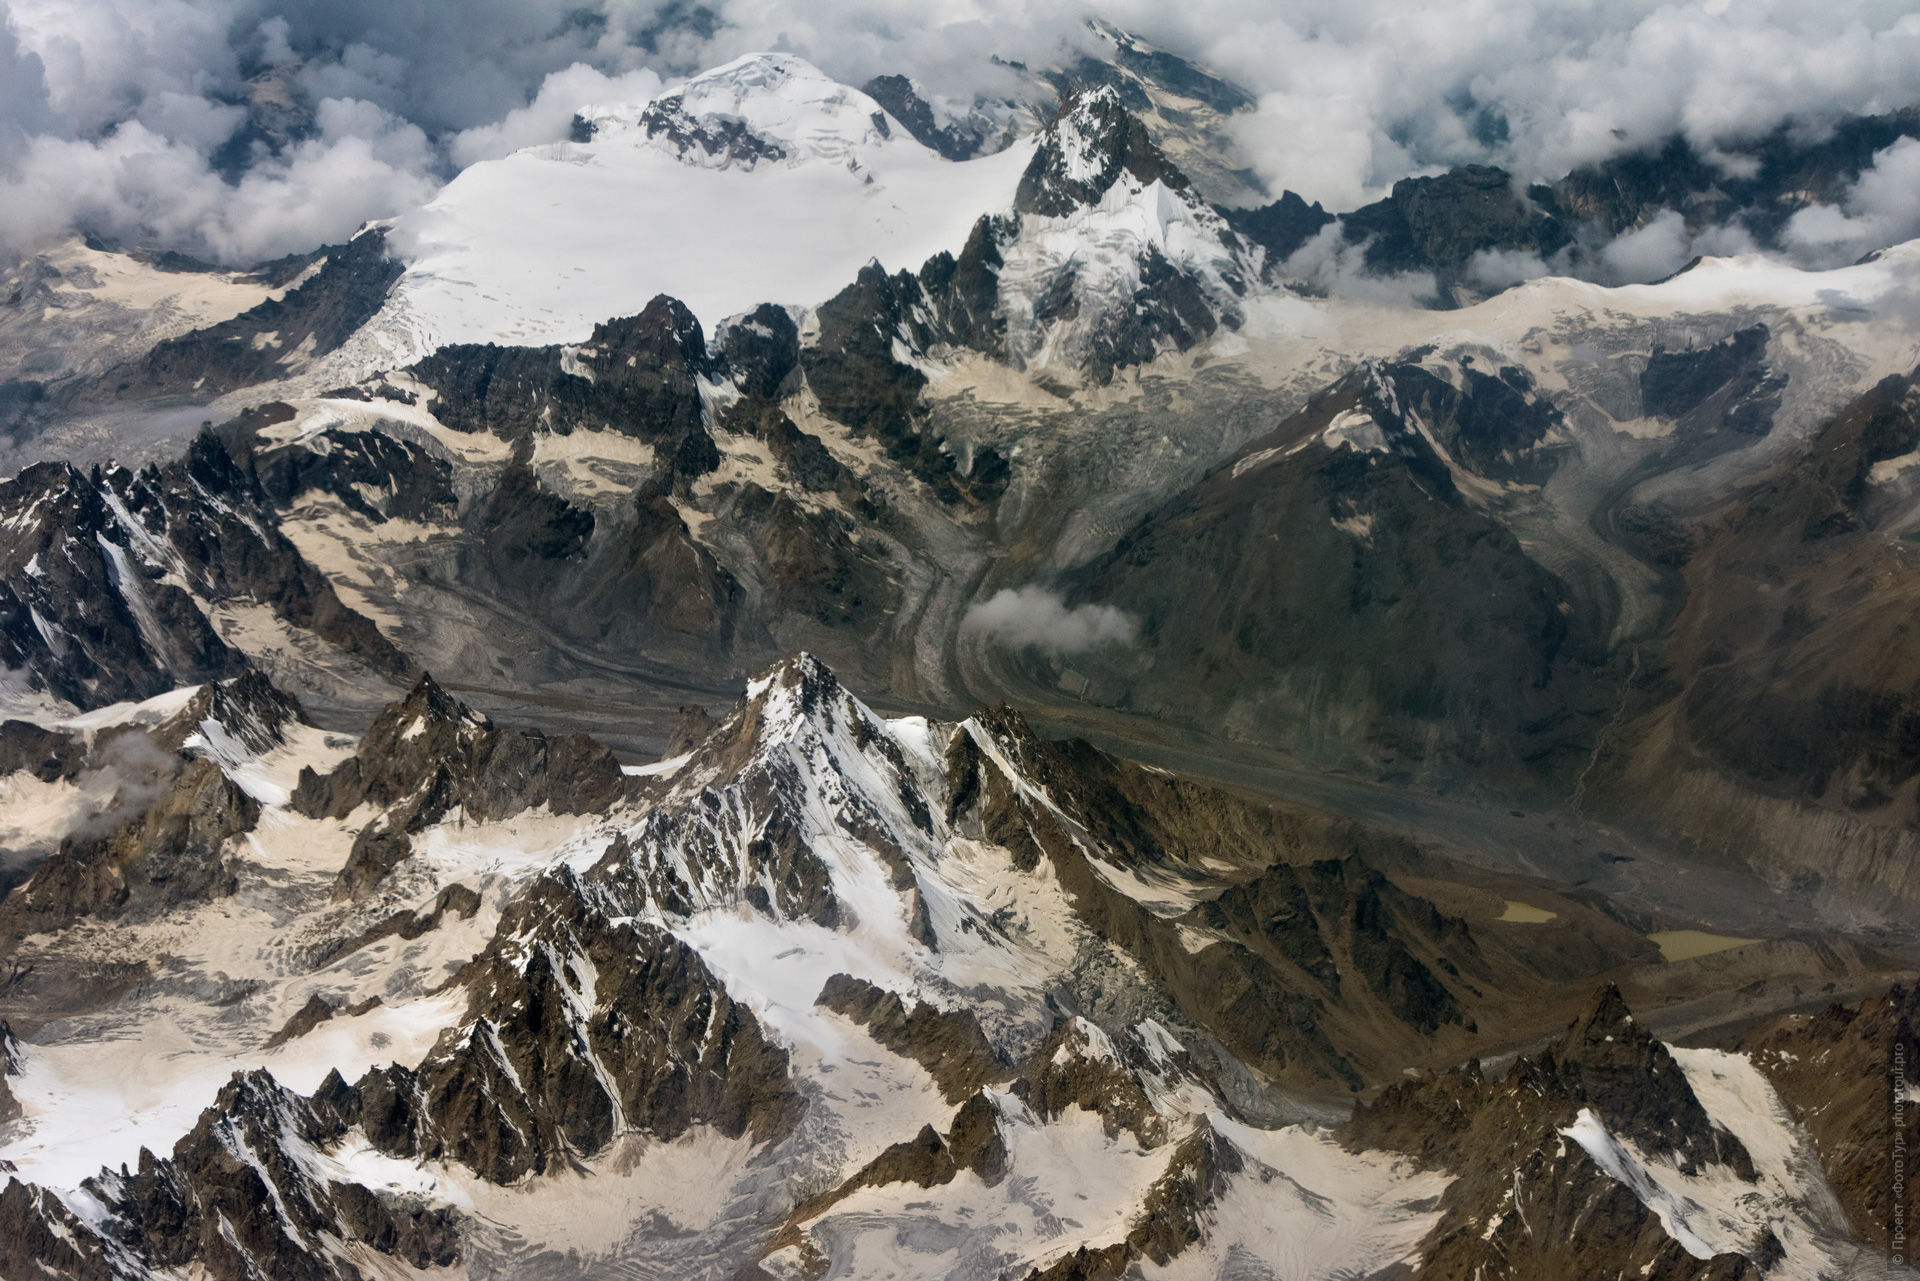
(108, 582)
(1365, 605)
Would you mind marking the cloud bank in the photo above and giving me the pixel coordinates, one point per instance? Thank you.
(237, 129)
(1034, 617)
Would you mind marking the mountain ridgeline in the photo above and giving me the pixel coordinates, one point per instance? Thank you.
(1146, 730)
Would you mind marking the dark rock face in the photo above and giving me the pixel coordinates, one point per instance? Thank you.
(1727, 384)
(1169, 308)
(249, 709)
(91, 595)
(1494, 423)
(1528, 1202)
(1175, 1213)
(692, 725)
(429, 753)
(1785, 661)
(536, 1072)
(579, 1027)
(1790, 173)
(1306, 961)
(164, 846)
(1438, 224)
(1085, 151)
(1614, 1065)
(1838, 1071)
(82, 609)
(728, 140)
(929, 1159)
(1343, 571)
(760, 351)
(1296, 911)
(13, 1061)
(948, 1043)
(38, 1234)
(371, 473)
(1281, 228)
(961, 139)
(236, 1199)
(639, 376)
(819, 576)
(262, 344)
(48, 755)
(743, 839)
(1076, 1065)
(852, 369)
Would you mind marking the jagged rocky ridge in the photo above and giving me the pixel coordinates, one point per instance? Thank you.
(111, 584)
(1166, 958)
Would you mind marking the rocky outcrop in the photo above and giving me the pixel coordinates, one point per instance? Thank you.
(1345, 541)
(973, 1143)
(1296, 969)
(107, 589)
(1127, 302)
(948, 1043)
(82, 609)
(370, 473)
(1281, 228)
(1439, 224)
(1298, 912)
(160, 844)
(248, 714)
(1529, 1201)
(638, 376)
(280, 335)
(960, 138)
(1777, 730)
(579, 1027)
(39, 1234)
(1844, 1073)
(1093, 143)
(853, 369)
(13, 1061)
(429, 754)
(746, 832)
(1726, 385)
(241, 1197)
(49, 755)
(1758, 184)
(1077, 1065)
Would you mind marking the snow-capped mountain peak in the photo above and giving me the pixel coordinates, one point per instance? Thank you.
(760, 108)
(1086, 150)
(761, 181)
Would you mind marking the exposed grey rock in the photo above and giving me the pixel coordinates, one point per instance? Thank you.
(428, 754)
(270, 340)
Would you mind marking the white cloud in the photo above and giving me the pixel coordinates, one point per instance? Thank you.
(548, 116)
(1331, 264)
(1882, 208)
(104, 98)
(1035, 617)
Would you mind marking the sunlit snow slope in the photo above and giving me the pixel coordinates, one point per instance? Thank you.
(759, 181)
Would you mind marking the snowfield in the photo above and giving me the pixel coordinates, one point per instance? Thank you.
(540, 246)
